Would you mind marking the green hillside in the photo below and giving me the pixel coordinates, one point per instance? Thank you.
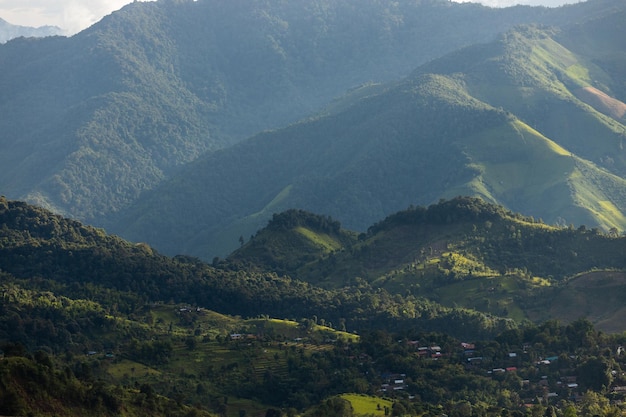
(92, 324)
(86, 262)
(501, 121)
(466, 253)
(92, 121)
(291, 239)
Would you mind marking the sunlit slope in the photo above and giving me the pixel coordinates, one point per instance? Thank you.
(461, 252)
(498, 120)
(566, 96)
(520, 168)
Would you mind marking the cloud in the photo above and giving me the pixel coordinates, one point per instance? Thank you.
(70, 15)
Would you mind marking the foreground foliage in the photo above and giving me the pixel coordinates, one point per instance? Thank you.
(91, 322)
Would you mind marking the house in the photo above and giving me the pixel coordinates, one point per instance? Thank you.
(422, 351)
(393, 382)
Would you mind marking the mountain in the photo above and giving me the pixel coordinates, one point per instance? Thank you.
(9, 31)
(93, 120)
(522, 121)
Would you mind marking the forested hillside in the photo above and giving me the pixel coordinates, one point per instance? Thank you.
(89, 321)
(36, 243)
(521, 121)
(93, 120)
(462, 252)
(325, 208)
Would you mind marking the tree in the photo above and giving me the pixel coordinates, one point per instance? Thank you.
(593, 404)
(594, 374)
(272, 412)
(550, 412)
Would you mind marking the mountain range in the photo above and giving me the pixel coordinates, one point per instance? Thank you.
(409, 208)
(147, 123)
(517, 122)
(9, 31)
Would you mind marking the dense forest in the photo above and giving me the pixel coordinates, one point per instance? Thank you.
(90, 321)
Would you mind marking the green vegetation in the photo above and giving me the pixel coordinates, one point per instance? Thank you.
(461, 253)
(463, 307)
(92, 322)
(502, 121)
(364, 405)
(135, 102)
(93, 120)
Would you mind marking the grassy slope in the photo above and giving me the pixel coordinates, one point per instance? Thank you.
(364, 405)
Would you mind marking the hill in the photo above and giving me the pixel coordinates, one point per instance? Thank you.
(501, 120)
(292, 239)
(93, 120)
(86, 263)
(468, 253)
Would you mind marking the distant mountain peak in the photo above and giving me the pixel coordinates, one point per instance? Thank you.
(9, 31)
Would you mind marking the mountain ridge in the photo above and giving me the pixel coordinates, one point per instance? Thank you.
(455, 252)
(120, 106)
(10, 31)
(497, 120)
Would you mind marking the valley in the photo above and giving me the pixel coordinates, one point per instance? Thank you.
(329, 208)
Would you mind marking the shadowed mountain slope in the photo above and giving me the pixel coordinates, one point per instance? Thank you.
(499, 120)
(91, 121)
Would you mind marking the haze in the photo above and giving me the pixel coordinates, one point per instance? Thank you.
(75, 15)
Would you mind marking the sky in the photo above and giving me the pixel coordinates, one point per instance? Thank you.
(75, 15)
(70, 15)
